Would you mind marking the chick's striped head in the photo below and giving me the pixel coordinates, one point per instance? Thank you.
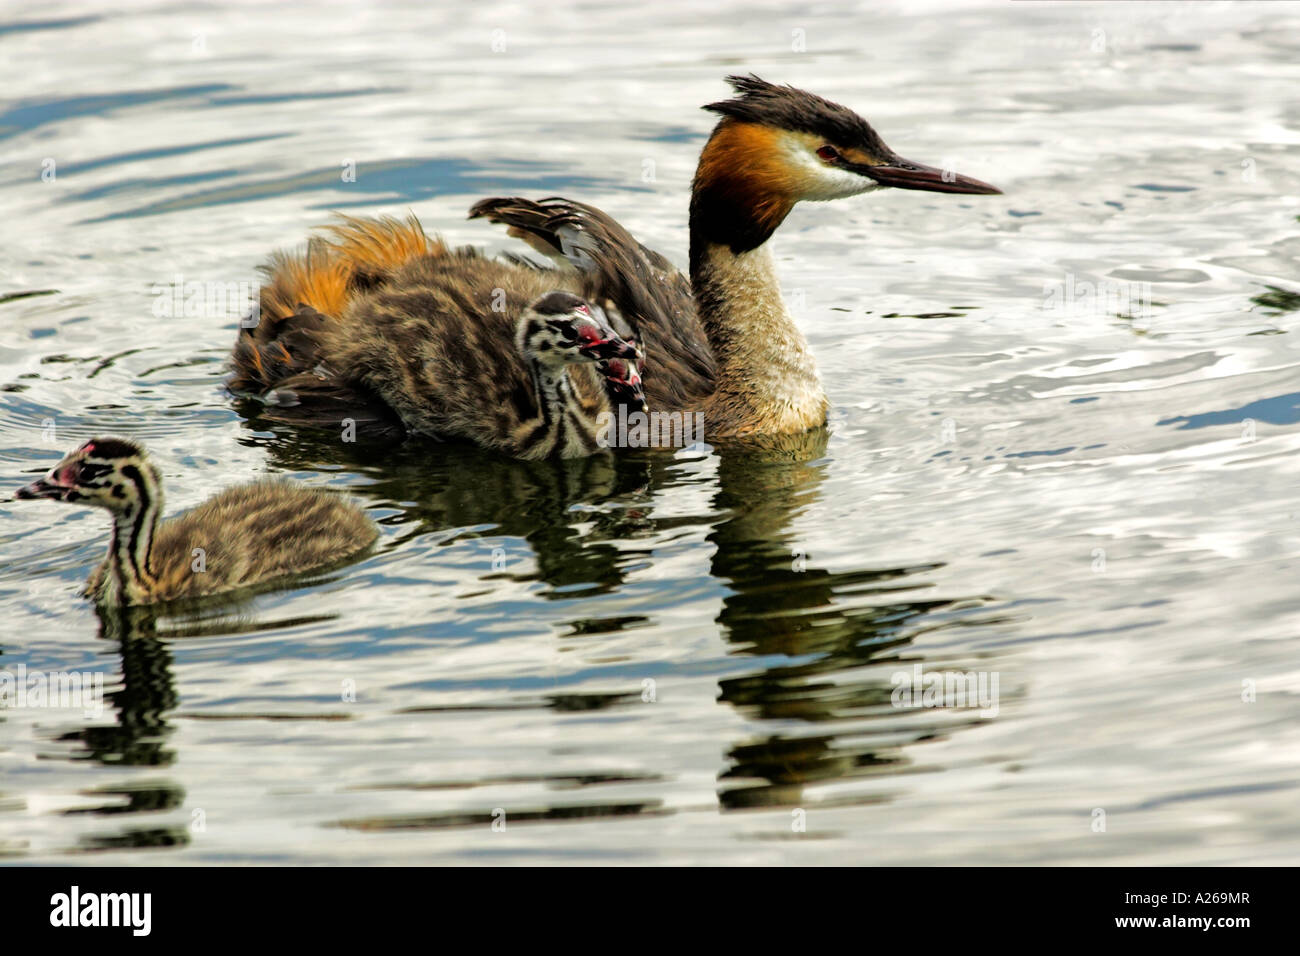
(110, 473)
(561, 328)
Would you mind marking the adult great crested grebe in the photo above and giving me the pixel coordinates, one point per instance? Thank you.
(339, 322)
(242, 537)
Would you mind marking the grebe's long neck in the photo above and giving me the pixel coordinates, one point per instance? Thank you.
(128, 577)
(767, 379)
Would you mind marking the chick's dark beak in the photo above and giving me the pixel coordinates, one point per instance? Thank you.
(636, 397)
(610, 349)
(905, 174)
(42, 488)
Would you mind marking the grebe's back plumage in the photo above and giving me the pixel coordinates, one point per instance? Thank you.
(431, 337)
(722, 344)
(615, 270)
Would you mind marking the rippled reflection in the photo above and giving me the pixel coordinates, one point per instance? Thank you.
(141, 733)
(140, 706)
(441, 486)
(821, 622)
(138, 737)
(778, 602)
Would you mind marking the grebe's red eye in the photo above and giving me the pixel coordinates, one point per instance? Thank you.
(828, 153)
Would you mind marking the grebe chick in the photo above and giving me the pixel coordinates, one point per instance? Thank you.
(557, 331)
(243, 536)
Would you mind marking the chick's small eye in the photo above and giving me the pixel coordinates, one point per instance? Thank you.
(828, 153)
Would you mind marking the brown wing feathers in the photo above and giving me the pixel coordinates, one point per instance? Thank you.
(306, 292)
(436, 340)
(379, 314)
(641, 284)
(305, 289)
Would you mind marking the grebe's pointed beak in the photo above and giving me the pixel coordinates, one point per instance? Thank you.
(905, 174)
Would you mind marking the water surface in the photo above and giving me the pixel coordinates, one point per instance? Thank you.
(1062, 449)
